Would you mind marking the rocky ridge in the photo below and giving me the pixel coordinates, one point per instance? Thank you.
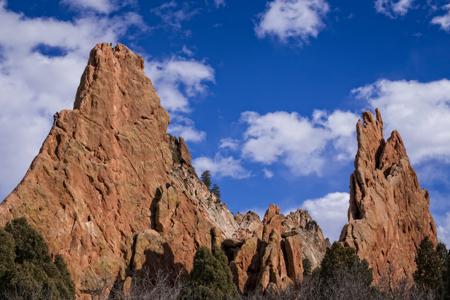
(114, 194)
(268, 254)
(389, 212)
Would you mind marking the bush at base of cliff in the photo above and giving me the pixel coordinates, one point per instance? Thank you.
(26, 268)
(210, 278)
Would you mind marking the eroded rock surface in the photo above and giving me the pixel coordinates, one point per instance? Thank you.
(110, 188)
(389, 212)
(268, 254)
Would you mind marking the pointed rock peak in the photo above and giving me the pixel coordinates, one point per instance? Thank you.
(271, 212)
(389, 212)
(114, 89)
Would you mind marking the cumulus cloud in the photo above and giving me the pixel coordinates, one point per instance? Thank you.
(101, 6)
(301, 144)
(444, 20)
(229, 143)
(221, 166)
(392, 8)
(420, 111)
(185, 127)
(177, 80)
(330, 212)
(292, 19)
(41, 62)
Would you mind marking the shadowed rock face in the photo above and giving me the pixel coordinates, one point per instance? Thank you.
(389, 213)
(110, 186)
(268, 254)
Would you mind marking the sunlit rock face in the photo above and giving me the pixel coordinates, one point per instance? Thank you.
(110, 189)
(389, 212)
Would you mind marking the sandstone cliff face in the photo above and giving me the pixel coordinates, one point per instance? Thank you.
(117, 196)
(110, 188)
(389, 212)
(268, 254)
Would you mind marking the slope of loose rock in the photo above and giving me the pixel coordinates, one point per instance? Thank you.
(389, 212)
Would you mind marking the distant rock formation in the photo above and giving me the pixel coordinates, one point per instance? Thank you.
(389, 213)
(114, 194)
(268, 254)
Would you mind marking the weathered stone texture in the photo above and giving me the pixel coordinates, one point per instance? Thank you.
(389, 212)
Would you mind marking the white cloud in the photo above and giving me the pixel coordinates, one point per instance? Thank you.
(330, 212)
(301, 144)
(267, 173)
(420, 111)
(185, 127)
(101, 6)
(173, 14)
(292, 19)
(35, 85)
(221, 166)
(392, 8)
(229, 143)
(443, 228)
(444, 20)
(177, 80)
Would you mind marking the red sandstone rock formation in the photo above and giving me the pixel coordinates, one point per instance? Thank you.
(268, 255)
(113, 193)
(389, 213)
(109, 176)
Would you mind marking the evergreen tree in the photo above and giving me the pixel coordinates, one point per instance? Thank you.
(446, 278)
(339, 258)
(206, 178)
(430, 266)
(216, 190)
(26, 268)
(307, 267)
(210, 278)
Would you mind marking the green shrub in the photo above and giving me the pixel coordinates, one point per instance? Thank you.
(26, 268)
(307, 267)
(206, 178)
(430, 265)
(210, 278)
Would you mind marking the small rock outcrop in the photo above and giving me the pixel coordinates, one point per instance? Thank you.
(268, 254)
(389, 212)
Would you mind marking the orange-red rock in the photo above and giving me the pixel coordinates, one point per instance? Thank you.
(389, 212)
(114, 194)
(271, 256)
(108, 174)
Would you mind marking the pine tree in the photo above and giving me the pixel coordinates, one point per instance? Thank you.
(206, 178)
(26, 268)
(216, 191)
(307, 267)
(430, 266)
(210, 278)
(339, 259)
(446, 278)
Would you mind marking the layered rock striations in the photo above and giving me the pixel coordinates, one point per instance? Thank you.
(117, 196)
(268, 254)
(389, 212)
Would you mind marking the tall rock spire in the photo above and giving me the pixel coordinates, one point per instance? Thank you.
(389, 212)
(110, 189)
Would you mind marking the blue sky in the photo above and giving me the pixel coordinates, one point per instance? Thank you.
(267, 92)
